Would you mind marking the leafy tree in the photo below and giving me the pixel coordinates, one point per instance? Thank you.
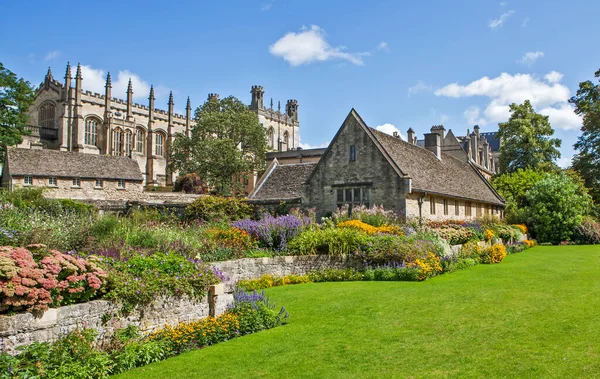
(16, 96)
(227, 142)
(526, 141)
(587, 159)
(557, 206)
(513, 188)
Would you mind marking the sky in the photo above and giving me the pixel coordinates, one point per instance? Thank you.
(400, 64)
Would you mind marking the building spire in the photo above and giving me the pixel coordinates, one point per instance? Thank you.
(129, 87)
(171, 98)
(49, 74)
(189, 104)
(78, 73)
(151, 97)
(108, 81)
(68, 71)
(271, 104)
(129, 101)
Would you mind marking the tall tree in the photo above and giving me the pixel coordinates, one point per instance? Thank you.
(587, 159)
(226, 143)
(16, 96)
(526, 141)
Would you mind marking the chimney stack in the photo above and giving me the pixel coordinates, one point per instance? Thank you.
(433, 144)
(410, 135)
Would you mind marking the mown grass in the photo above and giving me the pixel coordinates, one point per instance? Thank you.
(533, 315)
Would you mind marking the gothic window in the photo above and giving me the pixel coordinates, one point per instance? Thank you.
(128, 142)
(286, 139)
(46, 115)
(118, 141)
(270, 135)
(91, 131)
(160, 144)
(140, 140)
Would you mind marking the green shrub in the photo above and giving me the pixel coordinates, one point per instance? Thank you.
(332, 241)
(405, 274)
(268, 281)
(381, 250)
(456, 234)
(335, 275)
(215, 208)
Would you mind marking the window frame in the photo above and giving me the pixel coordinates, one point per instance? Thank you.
(432, 205)
(140, 140)
(352, 153)
(91, 131)
(76, 183)
(101, 185)
(456, 208)
(121, 184)
(468, 209)
(27, 180)
(358, 195)
(446, 206)
(161, 137)
(52, 181)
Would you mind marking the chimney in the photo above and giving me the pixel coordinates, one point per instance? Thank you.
(439, 129)
(396, 135)
(433, 144)
(410, 135)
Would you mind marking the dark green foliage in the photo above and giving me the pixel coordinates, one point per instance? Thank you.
(335, 275)
(526, 141)
(216, 208)
(557, 206)
(16, 96)
(513, 188)
(190, 183)
(226, 143)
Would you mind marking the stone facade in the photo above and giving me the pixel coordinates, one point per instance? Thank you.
(363, 166)
(68, 118)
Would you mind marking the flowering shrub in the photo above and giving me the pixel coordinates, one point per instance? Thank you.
(494, 254)
(588, 232)
(428, 267)
(236, 241)
(455, 234)
(274, 232)
(521, 227)
(138, 279)
(488, 235)
(268, 281)
(332, 241)
(529, 243)
(471, 250)
(382, 250)
(369, 229)
(507, 232)
(32, 284)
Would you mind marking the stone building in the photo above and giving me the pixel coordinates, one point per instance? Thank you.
(365, 166)
(68, 118)
(70, 175)
(281, 183)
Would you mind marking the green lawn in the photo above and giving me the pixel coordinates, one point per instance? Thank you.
(537, 314)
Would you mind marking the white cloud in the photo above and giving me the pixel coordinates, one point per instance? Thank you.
(383, 46)
(562, 117)
(530, 57)
(389, 129)
(554, 77)
(472, 115)
(309, 45)
(420, 86)
(266, 6)
(52, 55)
(525, 22)
(497, 23)
(95, 80)
(564, 162)
(548, 97)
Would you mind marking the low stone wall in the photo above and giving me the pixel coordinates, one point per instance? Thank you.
(253, 268)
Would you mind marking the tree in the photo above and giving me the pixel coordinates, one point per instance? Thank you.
(226, 143)
(557, 206)
(16, 96)
(513, 188)
(526, 141)
(587, 159)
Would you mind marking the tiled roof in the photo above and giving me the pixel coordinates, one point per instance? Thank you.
(62, 164)
(283, 182)
(448, 176)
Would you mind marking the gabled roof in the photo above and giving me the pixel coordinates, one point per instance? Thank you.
(282, 182)
(299, 153)
(446, 176)
(62, 164)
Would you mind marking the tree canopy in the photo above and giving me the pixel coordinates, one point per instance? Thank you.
(16, 96)
(526, 141)
(226, 143)
(587, 159)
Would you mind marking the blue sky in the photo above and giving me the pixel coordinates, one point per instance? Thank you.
(406, 64)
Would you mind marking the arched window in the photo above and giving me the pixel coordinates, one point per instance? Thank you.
(118, 141)
(286, 139)
(270, 134)
(128, 142)
(46, 115)
(140, 139)
(159, 148)
(91, 131)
